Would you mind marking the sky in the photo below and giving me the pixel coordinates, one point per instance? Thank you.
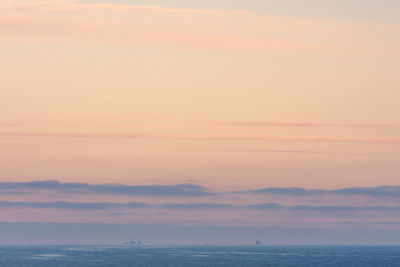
(254, 113)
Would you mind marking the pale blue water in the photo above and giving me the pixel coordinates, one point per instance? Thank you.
(199, 256)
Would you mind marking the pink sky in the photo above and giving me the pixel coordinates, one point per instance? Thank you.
(230, 98)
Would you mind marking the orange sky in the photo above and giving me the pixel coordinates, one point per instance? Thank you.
(231, 97)
(105, 69)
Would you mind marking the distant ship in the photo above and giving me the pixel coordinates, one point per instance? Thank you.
(259, 243)
(133, 243)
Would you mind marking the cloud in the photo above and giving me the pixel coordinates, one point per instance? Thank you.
(184, 190)
(325, 208)
(323, 139)
(318, 152)
(387, 222)
(283, 151)
(72, 205)
(197, 206)
(135, 24)
(235, 123)
(292, 191)
(381, 191)
(267, 206)
(300, 124)
(343, 208)
(114, 214)
(93, 6)
(182, 27)
(111, 205)
(187, 190)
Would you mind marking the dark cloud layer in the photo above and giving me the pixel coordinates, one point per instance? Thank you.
(187, 190)
(110, 205)
(191, 190)
(381, 191)
(344, 208)
(197, 206)
(325, 208)
(72, 205)
(268, 206)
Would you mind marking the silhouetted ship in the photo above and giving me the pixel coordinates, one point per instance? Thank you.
(133, 243)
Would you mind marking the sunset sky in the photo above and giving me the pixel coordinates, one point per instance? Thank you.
(210, 105)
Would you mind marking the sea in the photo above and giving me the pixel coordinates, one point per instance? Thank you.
(176, 256)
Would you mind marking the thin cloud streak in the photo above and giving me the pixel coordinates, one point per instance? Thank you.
(300, 124)
(283, 151)
(317, 152)
(87, 6)
(233, 123)
(323, 139)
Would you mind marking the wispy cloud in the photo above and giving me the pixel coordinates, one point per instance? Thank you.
(324, 139)
(193, 28)
(317, 152)
(283, 151)
(301, 124)
(228, 123)
(134, 24)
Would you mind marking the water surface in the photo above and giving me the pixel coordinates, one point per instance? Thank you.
(199, 256)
